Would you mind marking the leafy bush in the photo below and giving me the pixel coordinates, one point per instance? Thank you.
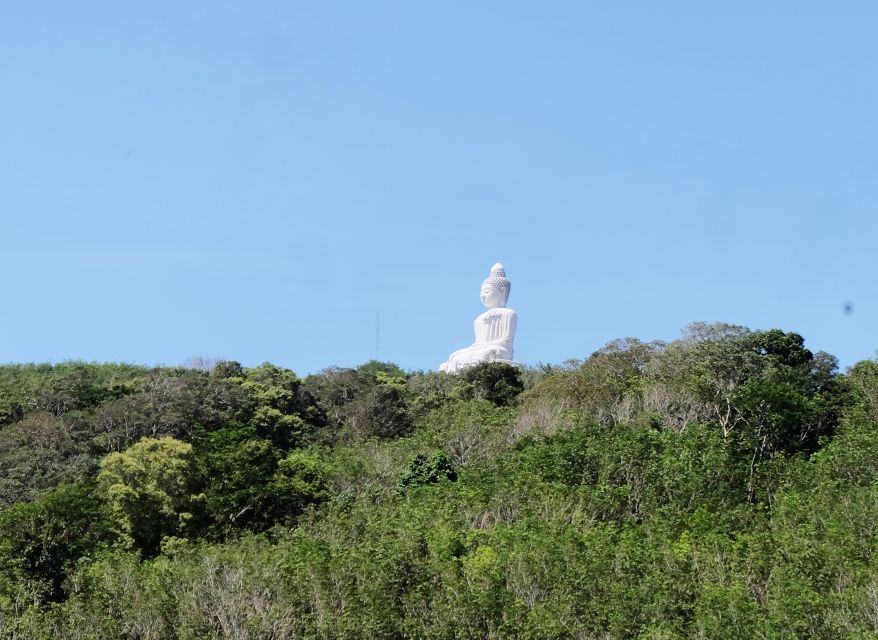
(495, 382)
(427, 470)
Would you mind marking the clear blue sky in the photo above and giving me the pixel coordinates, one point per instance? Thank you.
(256, 180)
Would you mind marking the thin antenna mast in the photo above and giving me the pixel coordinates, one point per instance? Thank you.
(377, 337)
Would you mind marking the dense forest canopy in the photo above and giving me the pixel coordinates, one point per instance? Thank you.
(724, 485)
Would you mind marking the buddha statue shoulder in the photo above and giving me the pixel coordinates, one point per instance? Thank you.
(494, 329)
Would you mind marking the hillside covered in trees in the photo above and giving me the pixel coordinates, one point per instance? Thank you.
(721, 486)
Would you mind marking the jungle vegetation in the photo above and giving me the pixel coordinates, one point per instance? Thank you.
(720, 486)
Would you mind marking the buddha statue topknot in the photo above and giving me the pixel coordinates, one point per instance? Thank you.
(494, 329)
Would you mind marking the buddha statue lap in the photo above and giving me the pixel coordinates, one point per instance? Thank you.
(494, 329)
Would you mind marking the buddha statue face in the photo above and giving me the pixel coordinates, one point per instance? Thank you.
(492, 296)
(495, 288)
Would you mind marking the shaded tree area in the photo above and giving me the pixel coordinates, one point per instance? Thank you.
(724, 485)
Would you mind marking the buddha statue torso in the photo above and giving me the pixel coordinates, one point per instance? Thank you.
(494, 329)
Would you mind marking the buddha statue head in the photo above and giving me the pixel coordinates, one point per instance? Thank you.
(495, 288)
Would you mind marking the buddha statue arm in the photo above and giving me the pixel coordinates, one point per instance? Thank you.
(477, 352)
(498, 331)
(487, 347)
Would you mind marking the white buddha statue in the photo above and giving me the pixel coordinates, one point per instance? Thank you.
(494, 329)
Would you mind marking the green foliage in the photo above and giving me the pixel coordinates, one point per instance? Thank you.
(237, 467)
(427, 470)
(495, 382)
(41, 541)
(429, 391)
(250, 485)
(300, 481)
(150, 490)
(225, 369)
(282, 410)
(167, 403)
(763, 389)
(605, 386)
(36, 454)
(724, 485)
(381, 412)
(381, 371)
(361, 403)
(58, 389)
